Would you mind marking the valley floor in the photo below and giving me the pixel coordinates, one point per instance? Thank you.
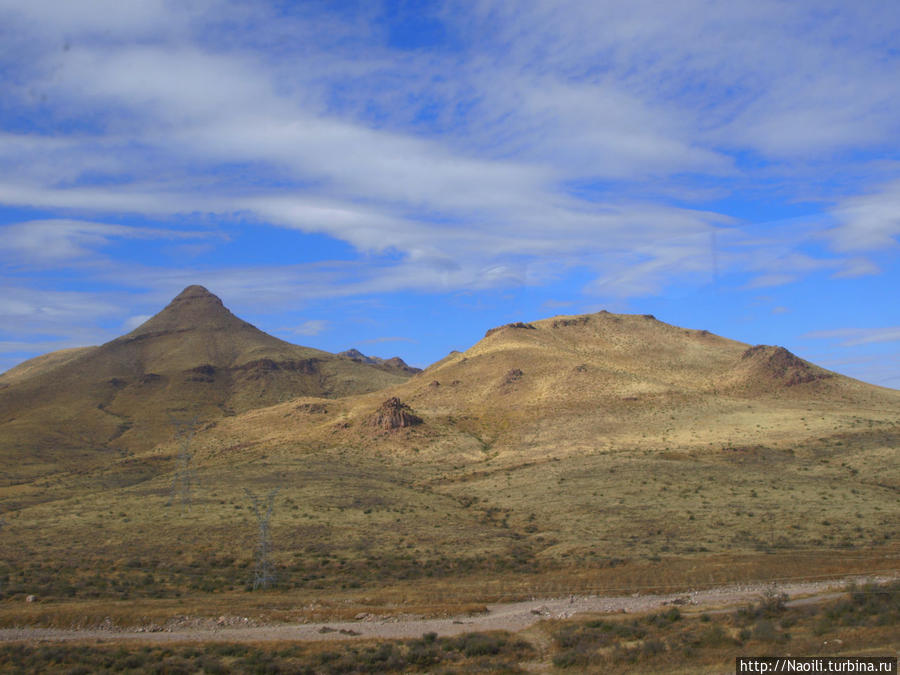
(695, 632)
(513, 617)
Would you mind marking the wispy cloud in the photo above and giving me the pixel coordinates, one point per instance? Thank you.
(379, 340)
(852, 337)
(28, 312)
(50, 242)
(870, 221)
(133, 322)
(533, 140)
(178, 107)
(311, 327)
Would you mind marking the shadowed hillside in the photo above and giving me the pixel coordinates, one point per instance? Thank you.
(193, 360)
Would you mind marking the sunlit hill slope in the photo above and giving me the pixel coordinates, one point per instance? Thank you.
(578, 453)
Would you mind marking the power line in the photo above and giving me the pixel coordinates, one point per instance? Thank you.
(185, 475)
(264, 572)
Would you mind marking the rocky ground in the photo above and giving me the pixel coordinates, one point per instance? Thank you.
(511, 617)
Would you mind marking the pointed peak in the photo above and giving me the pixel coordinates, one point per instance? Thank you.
(194, 308)
(195, 292)
(356, 355)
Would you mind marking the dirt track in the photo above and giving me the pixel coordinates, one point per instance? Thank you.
(510, 616)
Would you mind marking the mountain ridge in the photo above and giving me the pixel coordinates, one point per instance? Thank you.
(585, 383)
(194, 358)
(603, 447)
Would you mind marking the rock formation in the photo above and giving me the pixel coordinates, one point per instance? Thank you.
(394, 414)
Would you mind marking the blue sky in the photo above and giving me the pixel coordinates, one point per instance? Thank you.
(401, 176)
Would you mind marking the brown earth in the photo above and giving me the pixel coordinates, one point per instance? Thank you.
(194, 360)
(512, 617)
(614, 446)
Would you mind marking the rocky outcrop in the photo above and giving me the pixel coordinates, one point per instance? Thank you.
(262, 368)
(780, 364)
(394, 414)
(513, 375)
(202, 373)
(359, 357)
(770, 368)
(517, 324)
(393, 364)
(576, 321)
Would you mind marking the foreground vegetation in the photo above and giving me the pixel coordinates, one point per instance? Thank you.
(343, 522)
(357, 534)
(470, 653)
(866, 621)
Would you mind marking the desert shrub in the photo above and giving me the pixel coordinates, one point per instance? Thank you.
(212, 666)
(228, 649)
(765, 631)
(664, 619)
(869, 605)
(652, 647)
(480, 644)
(571, 658)
(423, 655)
(822, 626)
(714, 636)
(770, 606)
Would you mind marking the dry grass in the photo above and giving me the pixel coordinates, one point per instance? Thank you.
(470, 653)
(352, 532)
(194, 359)
(866, 623)
(675, 640)
(625, 456)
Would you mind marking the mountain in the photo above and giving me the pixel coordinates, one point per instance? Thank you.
(194, 360)
(571, 454)
(580, 443)
(392, 364)
(589, 383)
(40, 364)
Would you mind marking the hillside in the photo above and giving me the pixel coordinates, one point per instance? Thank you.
(591, 383)
(40, 364)
(194, 360)
(595, 453)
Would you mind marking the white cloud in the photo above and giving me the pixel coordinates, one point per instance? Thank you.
(853, 337)
(857, 267)
(311, 327)
(90, 17)
(868, 222)
(133, 322)
(781, 79)
(56, 241)
(27, 312)
(464, 167)
(380, 340)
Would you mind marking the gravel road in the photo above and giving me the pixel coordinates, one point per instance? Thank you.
(512, 617)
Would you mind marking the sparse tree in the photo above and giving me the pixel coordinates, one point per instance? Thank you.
(264, 572)
(184, 476)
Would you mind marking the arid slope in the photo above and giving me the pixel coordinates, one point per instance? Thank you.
(194, 360)
(586, 384)
(586, 452)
